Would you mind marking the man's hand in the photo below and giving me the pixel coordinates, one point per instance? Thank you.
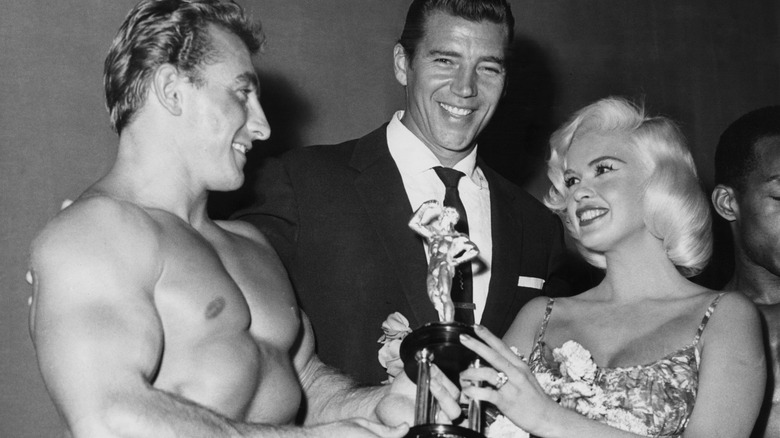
(360, 428)
(397, 407)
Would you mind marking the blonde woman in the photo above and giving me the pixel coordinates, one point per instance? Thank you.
(653, 354)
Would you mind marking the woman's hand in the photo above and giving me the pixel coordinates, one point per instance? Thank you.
(508, 383)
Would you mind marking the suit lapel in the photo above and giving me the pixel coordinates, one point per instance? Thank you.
(506, 230)
(381, 190)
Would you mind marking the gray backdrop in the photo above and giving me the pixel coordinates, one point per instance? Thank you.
(326, 76)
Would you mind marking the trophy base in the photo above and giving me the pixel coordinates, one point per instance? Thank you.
(441, 339)
(441, 431)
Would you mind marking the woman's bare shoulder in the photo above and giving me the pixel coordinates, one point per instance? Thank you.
(733, 307)
(522, 333)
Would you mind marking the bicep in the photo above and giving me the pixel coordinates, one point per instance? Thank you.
(93, 322)
(732, 373)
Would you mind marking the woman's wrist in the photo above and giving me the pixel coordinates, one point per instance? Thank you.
(558, 422)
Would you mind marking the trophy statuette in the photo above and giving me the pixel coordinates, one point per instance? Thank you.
(438, 342)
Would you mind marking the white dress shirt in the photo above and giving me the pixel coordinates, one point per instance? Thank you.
(416, 162)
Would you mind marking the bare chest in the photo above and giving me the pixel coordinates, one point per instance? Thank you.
(228, 324)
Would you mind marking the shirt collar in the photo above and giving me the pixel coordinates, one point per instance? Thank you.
(412, 156)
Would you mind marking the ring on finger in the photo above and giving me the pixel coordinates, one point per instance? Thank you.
(501, 379)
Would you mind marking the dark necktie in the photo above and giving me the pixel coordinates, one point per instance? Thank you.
(462, 282)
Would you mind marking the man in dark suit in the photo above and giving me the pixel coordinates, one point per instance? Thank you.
(338, 214)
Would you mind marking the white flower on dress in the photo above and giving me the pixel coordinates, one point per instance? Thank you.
(575, 362)
(504, 428)
(576, 389)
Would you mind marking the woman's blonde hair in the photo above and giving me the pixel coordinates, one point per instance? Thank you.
(676, 208)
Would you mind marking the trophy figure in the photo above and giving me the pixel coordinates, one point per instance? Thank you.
(437, 342)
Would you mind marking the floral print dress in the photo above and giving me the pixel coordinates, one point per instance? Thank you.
(655, 399)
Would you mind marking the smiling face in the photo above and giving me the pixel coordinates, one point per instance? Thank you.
(453, 84)
(758, 216)
(605, 180)
(224, 114)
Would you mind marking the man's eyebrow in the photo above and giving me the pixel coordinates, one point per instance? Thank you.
(774, 178)
(448, 53)
(496, 59)
(248, 77)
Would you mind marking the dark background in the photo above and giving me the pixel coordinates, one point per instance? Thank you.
(326, 76)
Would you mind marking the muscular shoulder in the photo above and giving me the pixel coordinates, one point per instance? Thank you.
(97, 230)
(99, 217)
(244, 230)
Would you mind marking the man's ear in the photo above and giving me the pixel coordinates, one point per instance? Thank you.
(725, 202)
(400, 64)
(166, 86)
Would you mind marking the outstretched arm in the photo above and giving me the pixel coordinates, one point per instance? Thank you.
(333, 396)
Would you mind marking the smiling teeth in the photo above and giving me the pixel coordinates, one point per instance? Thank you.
(591, 214)
(240, 147)
(455, 110)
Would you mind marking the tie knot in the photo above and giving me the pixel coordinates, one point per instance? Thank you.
(449, 176)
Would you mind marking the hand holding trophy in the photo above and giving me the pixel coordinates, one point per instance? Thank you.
(437, 342)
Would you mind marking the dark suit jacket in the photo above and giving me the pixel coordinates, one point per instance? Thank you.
(338, 214)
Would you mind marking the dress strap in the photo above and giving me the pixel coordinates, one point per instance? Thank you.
(543, 327)
(706, 318)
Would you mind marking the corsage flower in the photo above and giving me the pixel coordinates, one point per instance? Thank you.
(395, 329)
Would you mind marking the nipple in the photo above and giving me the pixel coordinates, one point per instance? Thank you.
(215, 307)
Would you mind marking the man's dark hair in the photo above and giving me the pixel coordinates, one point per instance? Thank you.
(175, 32)
(736, 156)
(495, 11)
